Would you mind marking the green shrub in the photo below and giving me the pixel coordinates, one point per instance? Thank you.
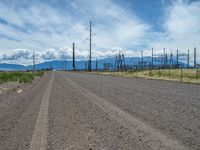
(22, 77)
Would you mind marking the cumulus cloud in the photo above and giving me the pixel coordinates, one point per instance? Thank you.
(42, 25)
(17, 54)
(49, 29)
(181, 27)
(25, 56)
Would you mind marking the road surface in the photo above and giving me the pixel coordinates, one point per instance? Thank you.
(73, 111)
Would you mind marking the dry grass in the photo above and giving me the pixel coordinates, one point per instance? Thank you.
(188, 75)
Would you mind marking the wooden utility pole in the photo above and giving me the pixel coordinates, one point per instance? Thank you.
(74, 66)
(90, 59)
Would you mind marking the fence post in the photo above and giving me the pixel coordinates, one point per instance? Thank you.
(197, 73)
(169, 70)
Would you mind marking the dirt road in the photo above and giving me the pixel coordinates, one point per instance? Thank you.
(63, 110)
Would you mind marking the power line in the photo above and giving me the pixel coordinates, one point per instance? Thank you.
(122, 14)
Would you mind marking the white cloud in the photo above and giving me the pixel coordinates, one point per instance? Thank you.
(41, 26)
(25, 56)
(16, 54)
(49, 30)
(182, 27)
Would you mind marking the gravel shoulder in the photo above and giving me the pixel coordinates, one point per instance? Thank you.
(80, 120)
(18, 113)
(170, 108)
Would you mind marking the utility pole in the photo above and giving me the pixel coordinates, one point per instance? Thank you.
(171, 59)
(188, 59)
(195, 57)
(120, 61)
(164, 56)
(123, 59)
(74, 67)
(160, 60)
(177, 57)
(33, 61)
(142, 59)
(152, 59)
(90, 59)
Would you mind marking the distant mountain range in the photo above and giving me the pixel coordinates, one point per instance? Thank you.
(10, 67)
(81, 64)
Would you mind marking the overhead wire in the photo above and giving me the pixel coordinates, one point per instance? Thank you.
(123, 13)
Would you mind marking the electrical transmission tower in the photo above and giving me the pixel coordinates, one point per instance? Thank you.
(120, 61)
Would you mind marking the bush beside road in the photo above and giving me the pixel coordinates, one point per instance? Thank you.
(22, 77)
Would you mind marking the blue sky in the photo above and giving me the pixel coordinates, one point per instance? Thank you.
(49, 27)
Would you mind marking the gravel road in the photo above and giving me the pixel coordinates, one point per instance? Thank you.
(65, 110)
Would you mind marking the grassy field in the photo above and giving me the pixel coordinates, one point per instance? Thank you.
(184, 75)
(22, 77)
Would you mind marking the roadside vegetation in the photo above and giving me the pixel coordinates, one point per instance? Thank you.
(181, 75)
(22, 77)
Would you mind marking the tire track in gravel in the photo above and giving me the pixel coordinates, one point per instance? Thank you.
(39, 138)
(149, 136)
(69, 127)
(84, 124)
(170, 108)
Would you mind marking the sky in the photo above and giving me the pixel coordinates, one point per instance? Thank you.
(49, 27)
